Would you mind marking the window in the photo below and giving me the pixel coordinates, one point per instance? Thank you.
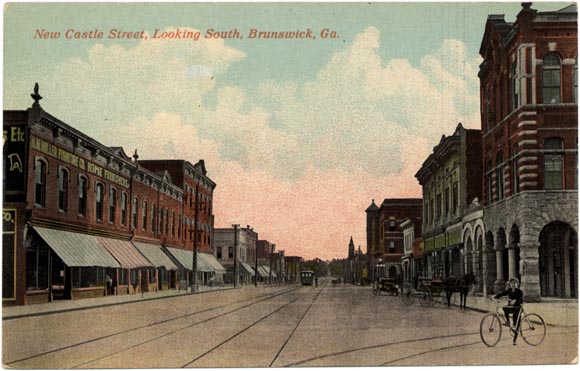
(551, 79)
(179, 226)
(447, 204)
(173, 224)
(487, 115)
(230, 252)
(575, 77)
(152, 218)
(427, 213)
(392, 225)
(123, 208)
(123, 277)
(439, 206)
(134, 212)
(99, 201)
(160, 221)
(553, 163)
(36, 267)
(82, 202)
(166, 217)
(40, 183)
(499, 178)
(488, 183)
(112, 204)
(515, 101)
(515, 175)
(144, 208)
(392, 247)
(455, 198)
(62, 189)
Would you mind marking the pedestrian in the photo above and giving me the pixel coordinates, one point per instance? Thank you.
(109, 284)
(516, 298)
(316, 281)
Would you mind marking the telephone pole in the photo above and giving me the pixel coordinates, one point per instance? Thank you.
(235, 254)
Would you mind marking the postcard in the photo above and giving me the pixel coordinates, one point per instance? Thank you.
(309, 184)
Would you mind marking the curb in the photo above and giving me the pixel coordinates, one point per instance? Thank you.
(37, 314)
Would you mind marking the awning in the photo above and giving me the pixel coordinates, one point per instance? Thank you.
(76, 249)
(125, 253)
(262, 271)
(246, 269)
(213, 262)
(155, 255)
(185, 259)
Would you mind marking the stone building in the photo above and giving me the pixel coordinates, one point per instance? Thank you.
(529, 115)
(451, 180)
(413, 255)
(385, 243)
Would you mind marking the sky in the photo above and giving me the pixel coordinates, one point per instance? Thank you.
(299, 134)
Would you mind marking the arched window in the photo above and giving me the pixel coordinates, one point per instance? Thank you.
(551, 69)
(172, 224)
(179, 226)
(99, 201)
(123, 208)
(134, 212)
(40, 183)
(576, 81)
(499, 178)
(515, 175)
(144, 217)
(153, 218)
(553, 157)
(82, 195)
(515, 98)
(112, 204)
(62, 189)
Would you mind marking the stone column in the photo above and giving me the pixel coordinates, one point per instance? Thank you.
(512, 261)
(530, 271)
(499, 284)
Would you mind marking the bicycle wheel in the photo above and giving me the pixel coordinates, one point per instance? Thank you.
(426, 298)
(532, 329)
(490, 329)
(407, 294)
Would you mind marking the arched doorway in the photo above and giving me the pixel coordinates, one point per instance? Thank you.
(479, 267)
(468, 252)
(558, 254)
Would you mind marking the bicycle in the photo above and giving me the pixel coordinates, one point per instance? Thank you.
(531, 327)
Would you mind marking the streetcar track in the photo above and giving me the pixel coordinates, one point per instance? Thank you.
(295, 328)
(180, 329)
(243, 330)
(429, 352)
(409, 341)
(143, 326)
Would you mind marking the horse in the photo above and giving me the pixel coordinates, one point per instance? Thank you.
(460, 285)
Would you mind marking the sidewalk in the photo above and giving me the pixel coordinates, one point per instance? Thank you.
(73, 305)
(555, 312)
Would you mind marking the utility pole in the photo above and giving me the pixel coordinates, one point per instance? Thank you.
(235, 254)
(271, 257)
(256, 266)
(194, 282)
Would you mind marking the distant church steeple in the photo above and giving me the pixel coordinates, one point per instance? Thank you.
(351, 248)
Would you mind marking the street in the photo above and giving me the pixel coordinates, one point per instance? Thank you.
(278, 326)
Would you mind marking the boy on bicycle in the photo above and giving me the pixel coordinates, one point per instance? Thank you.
(516, 298)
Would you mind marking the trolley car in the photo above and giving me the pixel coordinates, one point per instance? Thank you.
(307, 277)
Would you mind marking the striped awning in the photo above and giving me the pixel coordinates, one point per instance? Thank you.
(185, 259)
(246, 269)
(125, 253)
(155, 255)
(77, 249)
(213, 263)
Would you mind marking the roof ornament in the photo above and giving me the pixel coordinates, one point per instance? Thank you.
(135, 155)
(36, 96)
(527, 5)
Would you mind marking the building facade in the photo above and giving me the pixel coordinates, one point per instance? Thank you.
(82, 219)
(529, 115)
(385, 239)
(235, 249)
(413, 254)
(451, 180)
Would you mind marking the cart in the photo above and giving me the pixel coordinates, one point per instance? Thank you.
(386, 284)
(429, 292)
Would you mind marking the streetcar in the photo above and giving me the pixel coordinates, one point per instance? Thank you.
(307, 277)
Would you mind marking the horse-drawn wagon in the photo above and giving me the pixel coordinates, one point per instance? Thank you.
(436, 290)
(386, 284)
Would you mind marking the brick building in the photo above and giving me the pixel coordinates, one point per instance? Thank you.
(82, 219)
(385, 242)
(235, 249)
(529, 114)
(451, 181)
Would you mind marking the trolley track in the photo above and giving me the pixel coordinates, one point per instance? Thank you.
(149, 325)
(254, 323)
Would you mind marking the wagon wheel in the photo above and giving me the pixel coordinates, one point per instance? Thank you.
(407, 294)
(426, 298)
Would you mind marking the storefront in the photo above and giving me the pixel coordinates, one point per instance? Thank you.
(162, 275)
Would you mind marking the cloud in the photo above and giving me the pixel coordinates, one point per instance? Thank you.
(298, 161)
